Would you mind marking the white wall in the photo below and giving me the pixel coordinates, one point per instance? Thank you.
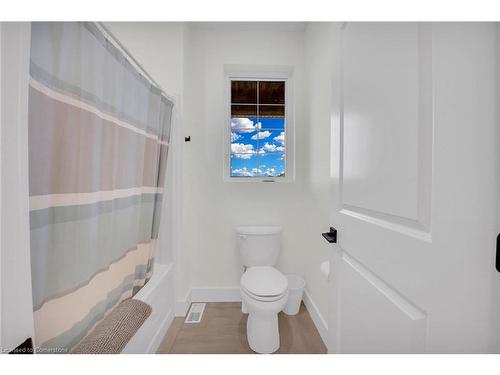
(465, 112)
(1, 105)
(319, 64)
(495, 331)
(16, 298)
(495, 311)
(158, 46)
(213, 208)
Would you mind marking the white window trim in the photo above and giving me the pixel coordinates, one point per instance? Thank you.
(260, 72)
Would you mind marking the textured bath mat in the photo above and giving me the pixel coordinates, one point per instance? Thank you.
(112, 334)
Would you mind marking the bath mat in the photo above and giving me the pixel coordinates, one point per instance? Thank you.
(112, 334)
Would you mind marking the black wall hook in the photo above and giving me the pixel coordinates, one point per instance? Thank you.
(187, 139)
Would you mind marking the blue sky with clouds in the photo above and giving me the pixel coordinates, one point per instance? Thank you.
(257, 147)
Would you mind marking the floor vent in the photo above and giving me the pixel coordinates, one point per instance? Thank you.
(195, 313)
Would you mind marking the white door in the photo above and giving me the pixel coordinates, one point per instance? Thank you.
(415, 140)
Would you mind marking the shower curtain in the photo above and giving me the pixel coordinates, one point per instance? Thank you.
(98, 142)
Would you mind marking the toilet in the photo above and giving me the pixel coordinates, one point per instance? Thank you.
(264, 289)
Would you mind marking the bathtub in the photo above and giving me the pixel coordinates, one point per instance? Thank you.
(159, 294)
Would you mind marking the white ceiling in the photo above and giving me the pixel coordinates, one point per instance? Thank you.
(235, 26)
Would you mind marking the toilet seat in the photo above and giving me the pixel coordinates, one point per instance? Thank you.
(264, 283)
(262, 298)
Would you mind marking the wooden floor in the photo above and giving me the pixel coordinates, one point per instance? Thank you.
(222, 330)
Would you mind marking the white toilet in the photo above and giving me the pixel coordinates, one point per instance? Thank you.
(264, 289)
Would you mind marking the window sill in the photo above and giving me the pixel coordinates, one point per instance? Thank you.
(264, 180)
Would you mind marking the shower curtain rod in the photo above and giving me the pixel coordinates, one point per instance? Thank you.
(131, 57)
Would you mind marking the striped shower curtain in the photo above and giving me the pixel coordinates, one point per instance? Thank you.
(98, 142)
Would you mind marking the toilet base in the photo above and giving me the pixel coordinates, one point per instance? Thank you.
(262, 324)
(262, 333)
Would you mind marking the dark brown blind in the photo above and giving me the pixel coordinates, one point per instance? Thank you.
(258, 99)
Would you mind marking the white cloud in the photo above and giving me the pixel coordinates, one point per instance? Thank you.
(241, 148)
(271, 147)
(246, 172)
(242, 172)
(244, 125)
(280, 138)
(243, 156)
(235, 137)
(261, 135)
(244, 151)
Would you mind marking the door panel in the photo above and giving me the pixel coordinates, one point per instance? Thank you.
(416, 191)
(385, 171)
(378, 61)
(383, 184)
(375, 317)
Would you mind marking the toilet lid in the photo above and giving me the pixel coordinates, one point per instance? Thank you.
(264, 281)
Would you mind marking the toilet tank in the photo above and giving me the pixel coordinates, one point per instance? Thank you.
(259, 245)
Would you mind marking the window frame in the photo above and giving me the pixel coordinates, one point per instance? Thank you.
(260, 73)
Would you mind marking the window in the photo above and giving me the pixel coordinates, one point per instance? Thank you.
(258, 126)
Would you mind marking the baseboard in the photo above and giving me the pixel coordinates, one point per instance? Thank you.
(215, 294)
(316, 317)
(206, 294)
(182, 306)
(160, 334)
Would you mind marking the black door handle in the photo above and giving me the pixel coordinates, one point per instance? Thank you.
(331, 236)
